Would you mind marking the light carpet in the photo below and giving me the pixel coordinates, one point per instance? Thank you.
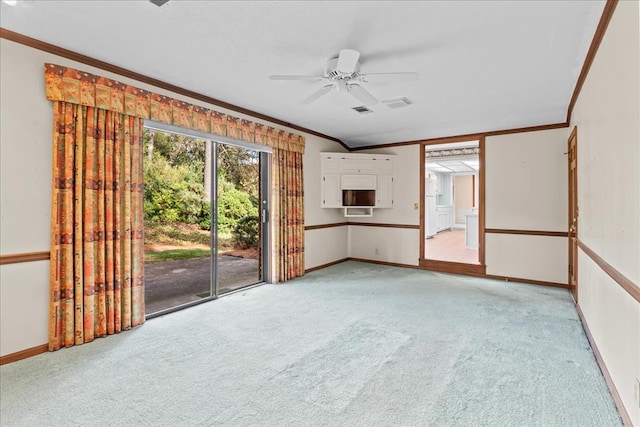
(354, 344)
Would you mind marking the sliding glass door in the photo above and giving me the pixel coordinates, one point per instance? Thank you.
(206, 213)
(239, 214)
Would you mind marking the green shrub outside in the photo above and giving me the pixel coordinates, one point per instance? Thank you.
(233, 206)
(246, 232)
(174, 193)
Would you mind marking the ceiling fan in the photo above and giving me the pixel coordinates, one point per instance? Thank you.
(342, 72)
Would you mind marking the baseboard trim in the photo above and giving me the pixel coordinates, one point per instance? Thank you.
(390, 264)
(477, 270)
(626, 419)
(329, 264)
(457, 268)
(23, 354)
(528, 281)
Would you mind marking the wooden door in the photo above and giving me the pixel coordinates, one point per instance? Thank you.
(573, 212)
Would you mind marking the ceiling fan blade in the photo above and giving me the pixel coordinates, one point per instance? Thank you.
(317, 94)
(347, 61)
(384, 77)
(287, 77)
(361, 94)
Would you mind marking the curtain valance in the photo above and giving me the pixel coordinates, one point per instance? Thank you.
(82, 88)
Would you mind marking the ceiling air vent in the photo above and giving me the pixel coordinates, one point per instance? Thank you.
(397, 102)
(158, 2)
(362, 109)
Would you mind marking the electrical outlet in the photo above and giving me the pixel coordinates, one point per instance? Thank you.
(377, 251)
(416, 206)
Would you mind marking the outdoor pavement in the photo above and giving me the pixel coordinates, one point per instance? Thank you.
(174, 282)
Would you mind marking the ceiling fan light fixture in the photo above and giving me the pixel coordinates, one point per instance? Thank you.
(159, 2)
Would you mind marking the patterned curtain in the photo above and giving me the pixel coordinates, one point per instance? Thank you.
(97, 253)
(97, 215)
(288, 214)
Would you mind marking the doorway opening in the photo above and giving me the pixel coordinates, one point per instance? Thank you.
(452, 211)
(205, 217)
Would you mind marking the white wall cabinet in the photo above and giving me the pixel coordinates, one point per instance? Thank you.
(358, 182)
(350, 171)
(331, 191)
(384, 192)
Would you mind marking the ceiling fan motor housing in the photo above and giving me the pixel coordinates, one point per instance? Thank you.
(331, 71)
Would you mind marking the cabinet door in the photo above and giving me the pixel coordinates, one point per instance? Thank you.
(331, 164)
(384, 165)
(441, 220)
(331, 192)
(358, 182)
(384, 192)
(358, 165)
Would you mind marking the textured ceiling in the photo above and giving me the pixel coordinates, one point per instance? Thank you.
(483, 65)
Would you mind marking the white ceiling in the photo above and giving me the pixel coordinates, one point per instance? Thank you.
(483, 65)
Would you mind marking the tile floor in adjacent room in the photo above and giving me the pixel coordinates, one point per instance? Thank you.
(449, 245)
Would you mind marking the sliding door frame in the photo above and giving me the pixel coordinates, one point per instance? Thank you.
(264, 153)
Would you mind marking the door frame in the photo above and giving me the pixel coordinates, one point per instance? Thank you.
(264, 153)
(573, 211)
(449, 266)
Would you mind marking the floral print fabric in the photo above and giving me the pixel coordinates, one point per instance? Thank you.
(97, 252)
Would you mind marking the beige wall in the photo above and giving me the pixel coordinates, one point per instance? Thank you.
(463, 197)
(395, 245)
(25, 192)
(526, 181)
(325, 245)
(526, 189)
(607, 116)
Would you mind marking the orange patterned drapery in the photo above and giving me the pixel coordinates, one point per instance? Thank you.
(288, 214)
(79, 87)
(74, 87)
(97, 248)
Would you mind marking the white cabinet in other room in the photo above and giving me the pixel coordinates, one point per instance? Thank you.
(445, 217)
(331, 191)
(384, 192)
